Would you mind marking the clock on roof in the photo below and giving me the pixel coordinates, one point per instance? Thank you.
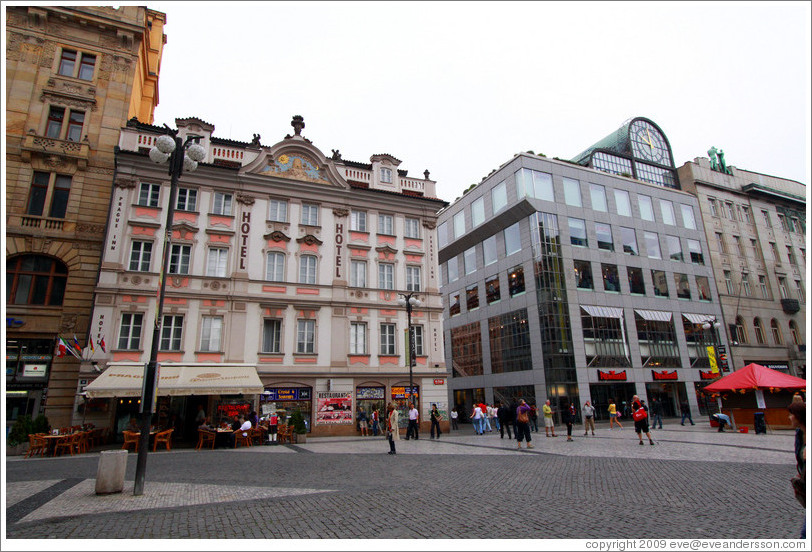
(648, 143)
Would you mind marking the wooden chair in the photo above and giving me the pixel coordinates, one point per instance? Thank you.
(164, 437)
(83, 442)
(36, 445)
(205, 438)
(130, 438)
(283, 434)
(243, 440)
(69, 443)
(257, 434)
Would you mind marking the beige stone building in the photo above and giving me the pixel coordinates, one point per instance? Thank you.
(74, 75)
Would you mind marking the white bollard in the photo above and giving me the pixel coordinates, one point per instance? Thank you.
(112, 466)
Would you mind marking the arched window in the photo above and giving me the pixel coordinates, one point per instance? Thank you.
(35, 280)
(741, 333)
(777, 337)
(759, 331)
(793, 329)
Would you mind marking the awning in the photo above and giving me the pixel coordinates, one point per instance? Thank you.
(654, 316)
(125, 380)
(603, 312)
(699, 318)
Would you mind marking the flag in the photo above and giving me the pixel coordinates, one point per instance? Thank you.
(100, 343)
(76, 343)
(60, 348)
(64, 343)
(90, 344)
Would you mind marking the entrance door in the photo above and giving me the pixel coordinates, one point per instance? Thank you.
(602, 393)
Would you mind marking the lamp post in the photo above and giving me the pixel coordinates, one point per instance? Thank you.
(409, 301)
(182, 156)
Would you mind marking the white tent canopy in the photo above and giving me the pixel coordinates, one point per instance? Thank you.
(126, 380)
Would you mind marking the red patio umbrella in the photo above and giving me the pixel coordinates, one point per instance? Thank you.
(755, 376)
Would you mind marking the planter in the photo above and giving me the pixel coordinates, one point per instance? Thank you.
(16, 450)
(300, 438)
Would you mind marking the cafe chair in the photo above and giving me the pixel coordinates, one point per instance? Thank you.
(69, 443)
(205, 438)
(83, 442)
(36, 445)
(130, 438)
(244, 440)
(283, 434)
(256, 435)
(164, 437)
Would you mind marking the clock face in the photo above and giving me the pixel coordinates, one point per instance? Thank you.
(648, 143)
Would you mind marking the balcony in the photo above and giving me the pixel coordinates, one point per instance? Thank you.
(790, 306)
(44, 146)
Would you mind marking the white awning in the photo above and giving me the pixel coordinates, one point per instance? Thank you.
(655, 316)
(178, 380)
(699, 318)
(603, 312)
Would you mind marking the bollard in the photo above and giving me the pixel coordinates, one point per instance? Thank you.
(110, 477)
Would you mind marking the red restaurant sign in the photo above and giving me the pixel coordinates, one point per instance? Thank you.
(611, 375)
(439, 381)
(707, 375)
(664, 375)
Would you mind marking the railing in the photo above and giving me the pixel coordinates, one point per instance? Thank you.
(413, 185)
(353, 174)
(228, 153)
(41, 222)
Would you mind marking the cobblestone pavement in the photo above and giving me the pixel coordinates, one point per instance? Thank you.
(695, 483)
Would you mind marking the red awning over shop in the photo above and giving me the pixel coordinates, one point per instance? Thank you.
(755, 376)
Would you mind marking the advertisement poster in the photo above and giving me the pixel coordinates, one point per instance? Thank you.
(334, 408)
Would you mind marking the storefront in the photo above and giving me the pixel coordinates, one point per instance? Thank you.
(401, 399)
(28, 363)
(616, 388)
(668, 390)
(287, 400)
(370, 399)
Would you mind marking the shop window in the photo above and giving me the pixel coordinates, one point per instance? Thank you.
(35, 280)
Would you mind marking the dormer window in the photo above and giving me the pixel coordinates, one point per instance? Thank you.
(386, 176)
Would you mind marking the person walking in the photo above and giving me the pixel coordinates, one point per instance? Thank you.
(435, 420)
(534, 418)
(569, 418)
(376, 420)
(486, 418)
(640, 417)
(523, 424)
(656, 412)
(548, 419)
(613, 415)
(686, 412)
(797, 418)
(589, 417)
(414, 419)
(454, 416)
(363, 423)
(506, 415)
(476, 419)
(392, 431)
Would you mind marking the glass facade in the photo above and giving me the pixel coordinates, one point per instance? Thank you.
(466, 350)
(510, 342)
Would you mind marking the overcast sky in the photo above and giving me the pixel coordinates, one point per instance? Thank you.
(459, 87)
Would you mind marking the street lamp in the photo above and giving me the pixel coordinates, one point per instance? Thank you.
(182, 156)
(409, 301)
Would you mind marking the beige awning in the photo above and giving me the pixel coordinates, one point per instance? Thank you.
(654, 316)
(699, 318)
(603, 312)
(125, 380)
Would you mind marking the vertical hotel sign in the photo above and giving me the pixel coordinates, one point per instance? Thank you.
(339, 242)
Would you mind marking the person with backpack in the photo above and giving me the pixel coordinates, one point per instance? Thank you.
(523, 424)
(640, 417)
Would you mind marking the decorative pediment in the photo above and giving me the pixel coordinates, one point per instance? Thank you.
(309, 239)
(185, 226)
(276, 236)
(386, 249)
(341, 212)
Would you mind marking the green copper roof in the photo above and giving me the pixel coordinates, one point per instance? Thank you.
(617, 142)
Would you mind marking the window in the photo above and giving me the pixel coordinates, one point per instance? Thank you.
(358, 273)
(417, 340)
(217, 262)
(796, 226)
(472, 297)
(623, 204)
(791, 255)
(629, 239)
(782, 219)
(310, 214)
(746, 290)
(386, 175)
(478, 212)
(275, 267)
(516, 281)
(442, 235)
(43, 184)
(646, 208)
(454, 304)
(782, 288)
(211, 334)
(728, 282)
(681, 283)
(453, 269)
(577, 232)
(306, 336)
(179, 259)
(513, 239)
(129, 334)
(386, 276)
(187, 200)
(793, 329)
(271, 336)
(688, 219)
(489, 250)
(386, 225)
(652, 245)
(86, 66)
(469, 260)
(499, 197)
(358, 338)
(799, 289)
(774, 250)
(530, 183)
(597, 194)
(459, 225)
(56, 117)
(572, 192)
(67, 63)
(776, 329)
(358, 221)
(746, 217)
(492, 293)
(412, 278)
(729, 210)
(759, 331)
(703, 288)
(221, 204)
(766, 216)
(667, 211)
(636, 284)
(714, 210)
(739, 246)
(278, 210)
(583, 274)
(411, 228)
(756, 250)
(35, 280)
(741, 332)
(695, 251)
(762, 284)
(148, 194)
(140, 256)
(720, 241)
(307, 269)
(509, 338)
(604, 235)
(388, 339)
(803, 254)
(171, 332)
(611, 280)
(674, 248)
(75, 122)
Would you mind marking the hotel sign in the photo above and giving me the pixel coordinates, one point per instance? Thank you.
(611, 375)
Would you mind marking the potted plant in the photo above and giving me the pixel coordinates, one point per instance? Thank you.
(17, 441)
(299, 428)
